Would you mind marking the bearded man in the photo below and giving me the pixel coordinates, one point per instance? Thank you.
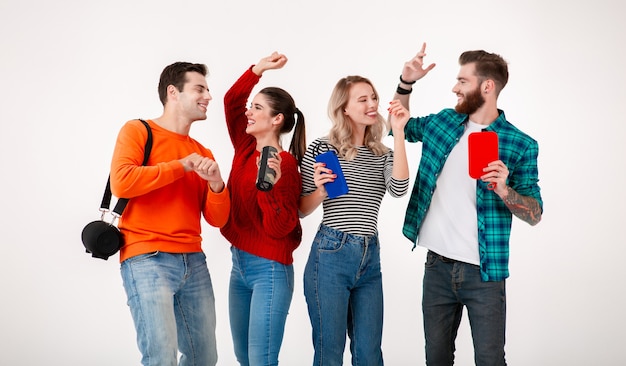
(465, 223)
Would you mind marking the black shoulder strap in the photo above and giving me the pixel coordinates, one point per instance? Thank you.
(148, 147)
(122, 202)
(324, 146)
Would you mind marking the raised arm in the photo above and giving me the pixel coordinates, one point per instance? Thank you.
(272, 62)
(398, 116)
(237, 96)
(412, 71)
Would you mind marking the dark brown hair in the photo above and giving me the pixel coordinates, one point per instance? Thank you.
(175, 74)
(281, 102)
(488, 66)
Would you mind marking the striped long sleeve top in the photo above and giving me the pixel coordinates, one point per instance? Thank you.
(368, 177)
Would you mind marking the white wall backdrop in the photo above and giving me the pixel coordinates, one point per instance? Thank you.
(73, 72)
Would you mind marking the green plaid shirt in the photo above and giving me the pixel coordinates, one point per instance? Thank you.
(439, 133)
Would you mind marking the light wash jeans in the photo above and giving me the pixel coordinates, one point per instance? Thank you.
(171, 301)
(343, 290)
(448, 286)
(259, 297)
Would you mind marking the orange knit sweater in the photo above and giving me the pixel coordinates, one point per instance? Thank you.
(163, 213)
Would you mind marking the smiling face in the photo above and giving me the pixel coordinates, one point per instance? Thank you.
(195, 97)
(362, 106)
(261, 122)
(468, 90)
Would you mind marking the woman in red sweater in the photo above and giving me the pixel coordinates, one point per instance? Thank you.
(264, 226)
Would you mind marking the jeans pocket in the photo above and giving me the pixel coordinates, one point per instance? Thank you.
(326, 244)
(431, 258)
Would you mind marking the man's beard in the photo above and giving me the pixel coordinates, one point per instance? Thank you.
(471, 102)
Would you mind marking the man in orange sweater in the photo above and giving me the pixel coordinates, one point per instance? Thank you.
(163, 268)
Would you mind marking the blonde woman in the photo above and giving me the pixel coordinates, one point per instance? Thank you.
(342, 277)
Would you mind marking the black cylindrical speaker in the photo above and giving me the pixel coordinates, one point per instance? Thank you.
(102, 239)
(266, 176)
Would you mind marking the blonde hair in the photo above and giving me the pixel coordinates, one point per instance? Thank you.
(340, 134)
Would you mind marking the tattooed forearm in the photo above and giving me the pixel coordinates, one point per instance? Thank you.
(524, 207)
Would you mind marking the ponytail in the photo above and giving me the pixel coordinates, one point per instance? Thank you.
(298, 141)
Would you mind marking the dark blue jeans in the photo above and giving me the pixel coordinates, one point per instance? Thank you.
(448, 286)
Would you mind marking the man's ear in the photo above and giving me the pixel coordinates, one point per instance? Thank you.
(172, 92)
(488, 86)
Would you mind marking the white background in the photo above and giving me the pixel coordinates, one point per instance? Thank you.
(73, 72)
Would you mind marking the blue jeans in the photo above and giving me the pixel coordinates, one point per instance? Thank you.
(448, 286)
(344, 291)
(171, 301)
(258, 300)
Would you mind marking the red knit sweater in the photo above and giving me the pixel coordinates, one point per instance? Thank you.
(265, 224)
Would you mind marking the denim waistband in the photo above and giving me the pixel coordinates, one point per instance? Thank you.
(449, 260)
(347, 238)
(444, 259)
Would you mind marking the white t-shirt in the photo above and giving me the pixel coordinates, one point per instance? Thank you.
(449, 227)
